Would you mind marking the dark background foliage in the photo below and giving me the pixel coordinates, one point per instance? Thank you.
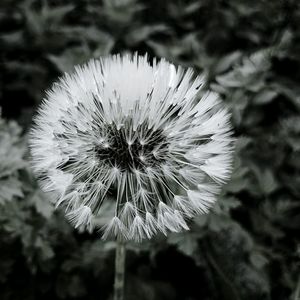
(248, 247)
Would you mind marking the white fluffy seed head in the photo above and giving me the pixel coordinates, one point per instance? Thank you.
(139, 130)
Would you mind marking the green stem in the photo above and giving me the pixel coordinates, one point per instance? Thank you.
(119, 271)
(297, 292)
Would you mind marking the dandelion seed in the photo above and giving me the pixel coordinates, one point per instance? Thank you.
(81, 217)
(121, 124)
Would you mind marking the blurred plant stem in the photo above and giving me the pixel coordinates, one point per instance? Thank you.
(297, 292)
(119, 271)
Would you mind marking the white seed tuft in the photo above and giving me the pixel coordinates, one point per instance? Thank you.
(81, 217)
(123, 126)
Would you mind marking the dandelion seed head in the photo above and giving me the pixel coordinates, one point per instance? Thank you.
(143, 132)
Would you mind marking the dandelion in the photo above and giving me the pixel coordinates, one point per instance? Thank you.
(136, 129)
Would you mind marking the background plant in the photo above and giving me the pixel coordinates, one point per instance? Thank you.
(248, 247)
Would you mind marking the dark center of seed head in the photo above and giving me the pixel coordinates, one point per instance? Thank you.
(115, 150)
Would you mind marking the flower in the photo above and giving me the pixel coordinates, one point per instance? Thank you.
(140, 130)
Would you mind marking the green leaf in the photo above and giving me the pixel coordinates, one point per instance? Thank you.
(42, 205)
(10, 188)
(265, 96)
(267, 181)
(143, 33)
(226, 62)
(229, 80)
(66, 61)
(258, 260)
(187, 243)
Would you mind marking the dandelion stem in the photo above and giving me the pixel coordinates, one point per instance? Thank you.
(119, 271)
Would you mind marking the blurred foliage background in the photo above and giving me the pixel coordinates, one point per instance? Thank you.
(248, 247)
